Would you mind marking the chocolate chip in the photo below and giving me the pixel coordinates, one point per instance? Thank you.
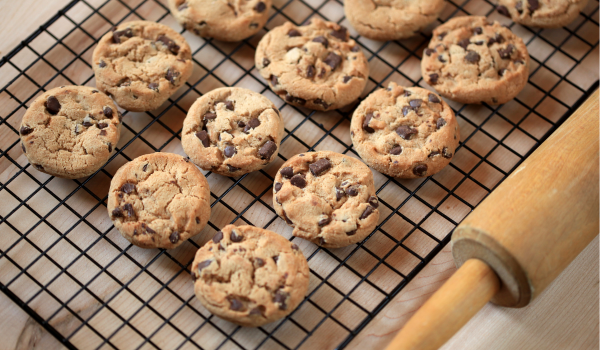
(259, 310)
(145, 167)
(128, 188)
(102, 133)
(280, 298)
(23, 148)
(209, 116)
(355, 48)
(472, 57)
(217, 237)
(253, 123)
(108, 112)
(318, 101)
(365, 124)
(321, 39)
(174, 237)
(352, 191)
(117, 213)
(274, 80)
(129, 209)
(128, 33)
(433, 154)
(434, 78)
(501, 72)
(241, 124)
(235, 304)
(203, 136)
(153, 86)
(287, 172)
(339, 193)
(351, 233)
(87, 121)
(172, 75)
(396, 150)
(297, 100)
(278, 186)
(170, 44)
(533, 5)
(229, 151)
(235, 237)
(406, 131)
(441, 59)
(294, 32)
(341, 33)
(266, 62)
(464, 43)
(446, 153)
(25, 130)
(260, 7)
(478, 30)
(332, 60)
(298, 180)
(429, 51)
(442, 35)
(295, 246)
(433, 98)
(503, 11)
(324, 221)
(310, 71)
(52, 105)
(95, 91)
(368, 211)
(229, 105)
(267, 150)
(479, 42)
(202, 266)
(320, 166)
(420, 170)
(440, 122)
(415, 103)
(197, 220)
(406, 110)
(505, 53)
(102, 64)
(109, 147)
(373, 201)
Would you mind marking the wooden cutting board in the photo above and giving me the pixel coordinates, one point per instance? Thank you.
(565, 316)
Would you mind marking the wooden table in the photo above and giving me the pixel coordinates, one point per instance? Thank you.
(564, 317)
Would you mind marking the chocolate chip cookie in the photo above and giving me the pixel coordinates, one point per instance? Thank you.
(232, 131)
(70, 131)
(405, 132)
(391, 19)
(541, 13)
(471, 60)
(140, 64)
(316, 66)
(231, 20)
(328, 198)
(250, 276)
(159, 200)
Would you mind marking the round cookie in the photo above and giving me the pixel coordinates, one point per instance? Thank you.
(140, 64)
(328, 198)
(159, 200)
(221, 19)
(541, 13)
(232, 131)
(250, 276)
(471, 60)
(316, 66)
(391, 19)
(70, 131)
(405, 132)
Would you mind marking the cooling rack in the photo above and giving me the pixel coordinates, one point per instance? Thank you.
(63, 262)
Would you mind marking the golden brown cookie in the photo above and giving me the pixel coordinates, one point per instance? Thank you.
(328, 198)
(159, 200)
(405, 132)
(250, 276)
(541, 13)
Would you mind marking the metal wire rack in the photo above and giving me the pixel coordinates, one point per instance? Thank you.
(62, 261)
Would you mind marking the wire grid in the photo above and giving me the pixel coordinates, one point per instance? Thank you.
(62, 261)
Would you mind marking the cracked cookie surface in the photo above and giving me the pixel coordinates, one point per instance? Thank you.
(316, 66)
(405, 132)
(391, 19)
(232, 131)
(541, 13)
(471, 60)
(70, 131)
(250, 276)
(159, 200)
(328, 198)
(225, 20)
(141, 64)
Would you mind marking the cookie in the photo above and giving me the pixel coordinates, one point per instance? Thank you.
(221, 20)
(328, 198)
(250, 276)
(541, 13)
(140, 64)
(159, 200)
(70, 131)
(471, 60)
(391, 20)
(232, 131)
(405, 132)
(316, 66)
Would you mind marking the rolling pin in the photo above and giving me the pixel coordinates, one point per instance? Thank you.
(521, 237)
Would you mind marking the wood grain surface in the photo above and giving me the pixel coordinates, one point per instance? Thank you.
(565, 316)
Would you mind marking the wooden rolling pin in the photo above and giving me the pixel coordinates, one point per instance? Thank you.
(521, 236)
